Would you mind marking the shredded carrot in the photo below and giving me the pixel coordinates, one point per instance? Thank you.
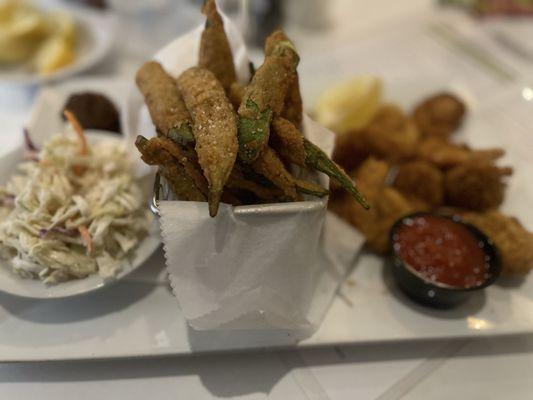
(79, 130)
(86, 237)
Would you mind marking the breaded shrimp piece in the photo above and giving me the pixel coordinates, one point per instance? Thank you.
(445, 155)
(421, 180)
(391, 135)
(513, 241)
(475, 185)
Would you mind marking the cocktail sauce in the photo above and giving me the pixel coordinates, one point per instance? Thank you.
(441, 250)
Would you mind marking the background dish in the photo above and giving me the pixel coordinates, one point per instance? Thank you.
(95, 40)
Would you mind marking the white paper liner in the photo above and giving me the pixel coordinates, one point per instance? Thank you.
(253, 267)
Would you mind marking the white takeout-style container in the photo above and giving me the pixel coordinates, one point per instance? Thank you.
(270, 266)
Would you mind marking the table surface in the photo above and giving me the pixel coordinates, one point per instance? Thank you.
(490, 368)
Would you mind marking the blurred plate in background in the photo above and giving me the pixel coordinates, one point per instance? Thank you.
(94, 41)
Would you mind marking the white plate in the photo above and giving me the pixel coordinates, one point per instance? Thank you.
(95, 39)
(14, 284)
(44, 122)
(139, 316)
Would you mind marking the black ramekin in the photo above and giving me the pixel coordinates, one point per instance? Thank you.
(436, 294)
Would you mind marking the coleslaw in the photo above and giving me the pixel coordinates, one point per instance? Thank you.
(75, 210)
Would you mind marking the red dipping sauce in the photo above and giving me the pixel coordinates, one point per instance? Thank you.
(442, 250)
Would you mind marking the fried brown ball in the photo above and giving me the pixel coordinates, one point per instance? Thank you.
(422, 181)
(475, 185)
(350, 150)
(390, 118)
(94, 111)
(444, 154)
(391, 135)
(439, 115)
(513, 241)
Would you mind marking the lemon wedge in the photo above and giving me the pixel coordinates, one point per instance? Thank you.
(350, 105)
(55, 53)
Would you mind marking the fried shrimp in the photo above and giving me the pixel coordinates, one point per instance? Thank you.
(476, 185)
(215, 51)
(391, 135)
(214, 128)
(421, 180)
(439, 115)
(264, 98)
(445, 155)
(164, 101)
(513, 241)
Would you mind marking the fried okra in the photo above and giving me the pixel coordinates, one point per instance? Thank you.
(214, 128)
(215, 51)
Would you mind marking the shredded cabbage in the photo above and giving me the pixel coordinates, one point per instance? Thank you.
(71, 215)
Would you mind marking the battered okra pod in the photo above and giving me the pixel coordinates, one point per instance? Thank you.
(288, 141)
(214, 128)
(264, 98)
(215, 50)
(310, 188)
(238, 180)
(315, 158)
(164, 101)
(295, 148)
(271, 167)
(184, 156)
(293, 110)
(180, 182)
(236, 93)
